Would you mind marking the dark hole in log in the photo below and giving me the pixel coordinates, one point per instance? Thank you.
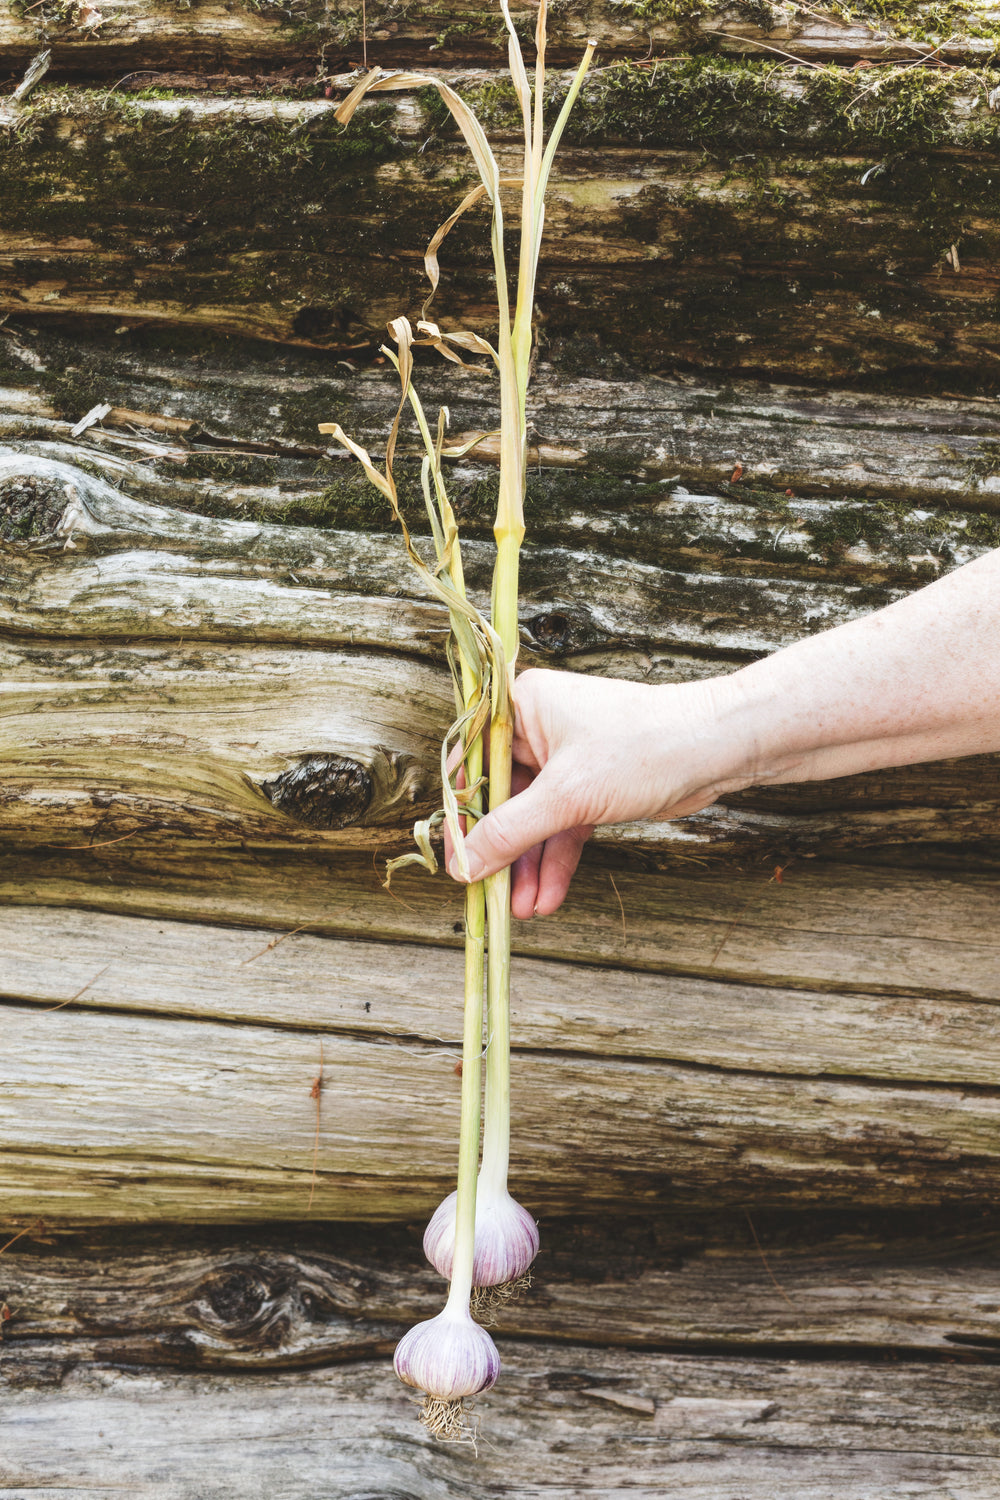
(550, 631)
(325, 791)
(236, 1297)
(29, 507)
(315, 322)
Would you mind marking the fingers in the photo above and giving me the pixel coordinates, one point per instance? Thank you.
(513, 829)
(559, 860)
(524, 883)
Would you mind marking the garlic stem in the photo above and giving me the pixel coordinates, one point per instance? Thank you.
(468, 1142)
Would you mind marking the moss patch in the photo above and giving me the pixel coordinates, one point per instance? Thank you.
(685, 14)
(722, 104)
(983, 464)
(938, 21)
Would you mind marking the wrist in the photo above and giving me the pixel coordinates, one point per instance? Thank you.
(743, 738)
(703, 739)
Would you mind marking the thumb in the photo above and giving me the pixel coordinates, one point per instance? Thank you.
(502, 836)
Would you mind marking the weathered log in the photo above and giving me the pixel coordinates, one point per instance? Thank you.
(227, 712)
(581, 1421)
(98, 961)
(842, 928)
(825, 259)
(266, 743)
(697, 1090)
(247, 427)
(305, 1296)
(270, 35)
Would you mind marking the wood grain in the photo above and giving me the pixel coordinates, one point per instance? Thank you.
(810, 1284)
(826, 444)
(354, 989)
(561, 1424)
(211, 38)
(245, 742)
(120, 1116)
(837, 928)
(784, 277)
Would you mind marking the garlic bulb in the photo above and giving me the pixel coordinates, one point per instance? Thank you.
(450, 1357)
(506, 1238)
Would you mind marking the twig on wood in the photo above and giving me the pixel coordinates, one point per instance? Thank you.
(50, 1008)
(802, 62)
(621, 905)
(314, 1093)
(95, 414)
(274, 943)
(104, 842)
(767, 1268)
(31, 1229)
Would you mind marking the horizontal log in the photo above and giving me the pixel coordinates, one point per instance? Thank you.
(245, 742)
(99, 961)
(575, 1422)
(630, 448)
(300, 585)
(330, 750)
(268, 746)
(209, 444)
(215, 37)
(120, 1117)
(826, 262)
(830, 445)
(308, 1296)
(837, 928)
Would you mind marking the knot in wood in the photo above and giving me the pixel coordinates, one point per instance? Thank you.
(30, 507)
(237, 1297)
(551, 630)
(324, 791)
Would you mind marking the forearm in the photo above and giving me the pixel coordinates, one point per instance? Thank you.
(917, 681)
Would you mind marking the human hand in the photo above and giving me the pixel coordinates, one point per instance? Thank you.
(591, 750)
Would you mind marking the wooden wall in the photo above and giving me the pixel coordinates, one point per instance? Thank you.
(757, 1055)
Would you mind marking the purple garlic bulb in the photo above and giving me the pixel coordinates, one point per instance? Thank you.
(449, 1357)
(506, 1238)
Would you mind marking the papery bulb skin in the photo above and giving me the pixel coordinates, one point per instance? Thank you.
(450, 1357)
(506, 1239)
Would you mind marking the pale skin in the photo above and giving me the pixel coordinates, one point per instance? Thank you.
(918, 681)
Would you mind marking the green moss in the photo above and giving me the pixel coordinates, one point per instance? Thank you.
(983, 463)
(231, 211)
(934, 22)
(494, 103)
(726, 104)
(938, 21)
(984, 530)
(244, 468)
(48, 13)
(685, 13)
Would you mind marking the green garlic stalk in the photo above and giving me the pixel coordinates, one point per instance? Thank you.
(479, 1235)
